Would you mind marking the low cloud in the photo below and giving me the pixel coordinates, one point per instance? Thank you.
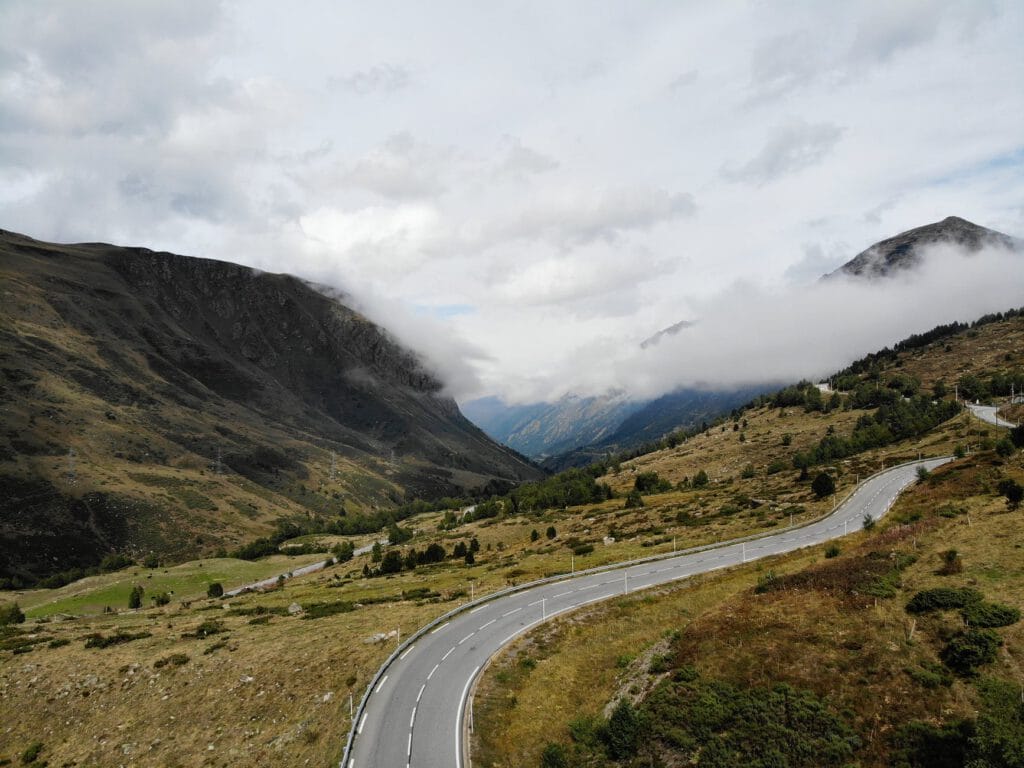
(751, 335)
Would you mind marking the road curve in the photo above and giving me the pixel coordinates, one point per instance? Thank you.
(990, 413)
(412, 714)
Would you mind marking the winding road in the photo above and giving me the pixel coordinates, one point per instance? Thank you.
(990, 413)
(413, 713)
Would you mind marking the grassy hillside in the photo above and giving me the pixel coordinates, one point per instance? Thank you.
(832, 629)
(264, 686)
(155, 403)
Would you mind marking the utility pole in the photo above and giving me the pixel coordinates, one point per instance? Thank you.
(572, 565)
(351, 710)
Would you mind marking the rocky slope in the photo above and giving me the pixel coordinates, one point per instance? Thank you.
(160, 402)
(905, 250)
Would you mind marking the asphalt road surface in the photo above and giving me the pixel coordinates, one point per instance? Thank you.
(413, 715)
(989, 413)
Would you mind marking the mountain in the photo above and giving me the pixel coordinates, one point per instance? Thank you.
(654, 419)
(155, 402)
(904, 251)
(540, 430)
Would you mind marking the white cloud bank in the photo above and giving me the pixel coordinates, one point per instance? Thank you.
(572, 176)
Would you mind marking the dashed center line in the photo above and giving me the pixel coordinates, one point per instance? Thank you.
(514, 610)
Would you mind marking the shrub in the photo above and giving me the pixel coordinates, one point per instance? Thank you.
(649, 482)
(534, 535)
(152, 560)
(1013, 491)
(970, 649)
(31, 753)
(583, 549)
(11, 613)
(622, 731)
(983, 614)
(135, 597)
(748, 472)
(174, 660)
(216, 589)
(115, 562)
(942, 598)
(551, 532)
(161, 598)
(776, 466)
(951, 563)
(700, 479)
(633, 500)
(832, 551)
(343, 551)
(207, 628)
(118, 638)
(923, 745)
(553, 756)
(823, 485)
(868, 522)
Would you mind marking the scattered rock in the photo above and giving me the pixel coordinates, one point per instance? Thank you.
(294, 608)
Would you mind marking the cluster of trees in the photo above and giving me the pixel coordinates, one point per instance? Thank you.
(566, 489)
(999, 384)
(395, 561)
(892, 422)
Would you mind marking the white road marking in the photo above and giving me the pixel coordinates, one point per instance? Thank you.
(440, 628)
(407, 652)
(362, 722)
(450, 652)
(381, 685)
(466, 637)
(458, 730)
(433, 671)
(485, 626)
(562, 594)
(480, 607)
(511, 612)
(413, 718)
(420, 694)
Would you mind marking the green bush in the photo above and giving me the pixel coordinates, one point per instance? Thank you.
(832, 551)
(700, 479)
(216, 589)
(650, 482)
(553, 756)
(11, 613)
(135, 597)
(923, 745)
(823, 485)
(205, 629)
(942, 598)
(970, 649)
(622, 732)
(983, 614)
(98, 640)
(174, 660)
(115, 562)
(31, 753)
(633, 500)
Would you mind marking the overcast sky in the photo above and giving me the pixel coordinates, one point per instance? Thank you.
(526, 190)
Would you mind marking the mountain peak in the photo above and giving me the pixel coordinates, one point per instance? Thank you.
(904, 250)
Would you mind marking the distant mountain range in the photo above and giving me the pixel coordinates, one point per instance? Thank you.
(160, 403)
(575, 430)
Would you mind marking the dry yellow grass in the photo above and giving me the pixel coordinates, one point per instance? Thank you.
(854, 652)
